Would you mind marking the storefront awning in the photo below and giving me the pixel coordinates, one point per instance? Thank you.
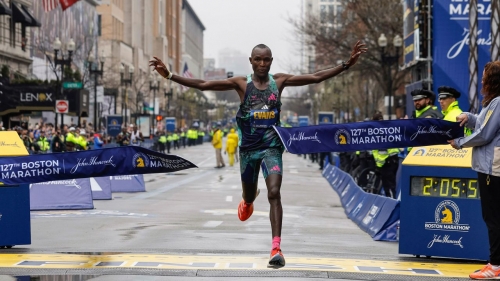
(4, 9)
(34, 21)
(21, 14)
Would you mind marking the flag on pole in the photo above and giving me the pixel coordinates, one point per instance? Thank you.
(186, 73)
(49, 5)
(67, 3)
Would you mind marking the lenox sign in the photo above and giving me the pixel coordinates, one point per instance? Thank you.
(34, 97)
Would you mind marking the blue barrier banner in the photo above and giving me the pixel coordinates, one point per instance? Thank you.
(334, 178)
(15, 226)
(101, 188)
(114, 125)
(349, 190)
(326, 170)
(125, 160)
(129, 183)
(368, 135)
(61, 195)
(389, 232)
(344, 181)
(378, 214)
(359, 212)
(354, 201)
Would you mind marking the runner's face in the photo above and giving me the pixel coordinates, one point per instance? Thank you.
(261, 61)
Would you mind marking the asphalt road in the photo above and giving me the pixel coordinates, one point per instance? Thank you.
(191, 215)
(195, 211)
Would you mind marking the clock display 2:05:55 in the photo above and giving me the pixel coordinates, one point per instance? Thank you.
(447, 187)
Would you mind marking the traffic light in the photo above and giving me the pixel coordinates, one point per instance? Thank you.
(159, 117)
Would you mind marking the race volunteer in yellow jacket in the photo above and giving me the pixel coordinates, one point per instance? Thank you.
(231, 145)
(217, 144)
(387, 162)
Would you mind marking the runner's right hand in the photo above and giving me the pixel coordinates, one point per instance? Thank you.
(159, 66)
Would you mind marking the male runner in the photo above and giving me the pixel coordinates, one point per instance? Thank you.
(259, 144)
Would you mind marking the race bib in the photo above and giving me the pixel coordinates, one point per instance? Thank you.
(263, 118)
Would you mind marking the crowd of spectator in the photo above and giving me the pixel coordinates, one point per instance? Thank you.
(44, 137)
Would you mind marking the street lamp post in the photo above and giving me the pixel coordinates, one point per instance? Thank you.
(154, 86)
(93, 70)
(196, 104)
(388, 60)
(126, 82)
(70, 47)
(200, 109)
(168, 95)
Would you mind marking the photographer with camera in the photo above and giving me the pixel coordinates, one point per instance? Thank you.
(57, 144)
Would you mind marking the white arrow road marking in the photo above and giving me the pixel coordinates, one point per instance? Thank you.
(212, 223)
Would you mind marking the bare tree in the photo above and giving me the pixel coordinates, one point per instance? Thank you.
(332, 38)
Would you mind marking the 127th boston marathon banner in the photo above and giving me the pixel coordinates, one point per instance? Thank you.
(368, 135)
(127, 160)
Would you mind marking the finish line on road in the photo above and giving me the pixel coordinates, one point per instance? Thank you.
(141, 261)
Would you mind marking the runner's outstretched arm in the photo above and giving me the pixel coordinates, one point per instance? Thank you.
(216, 85)
(301, 80)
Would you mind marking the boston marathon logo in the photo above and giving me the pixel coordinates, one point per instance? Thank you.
(447, 218)
(342, 137)
(140, 160)
(420, 152)
(114, 124)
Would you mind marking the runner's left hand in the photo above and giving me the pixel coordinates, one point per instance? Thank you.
(359, 48)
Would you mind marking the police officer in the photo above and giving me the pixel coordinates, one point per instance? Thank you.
(424, 104)
(449, 105)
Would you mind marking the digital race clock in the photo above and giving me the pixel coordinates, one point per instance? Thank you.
(447, 187)
(438, 217)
